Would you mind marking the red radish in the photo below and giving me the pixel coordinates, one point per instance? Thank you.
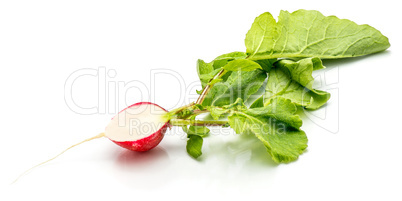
(139, 127)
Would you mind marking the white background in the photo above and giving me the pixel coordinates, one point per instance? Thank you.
(354, 153)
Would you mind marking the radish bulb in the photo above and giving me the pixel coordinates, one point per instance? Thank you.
(139, 127)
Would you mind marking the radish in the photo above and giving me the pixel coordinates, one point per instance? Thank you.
(139, 127)
(142, 126)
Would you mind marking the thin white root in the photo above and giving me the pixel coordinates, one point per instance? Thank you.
(89, 139)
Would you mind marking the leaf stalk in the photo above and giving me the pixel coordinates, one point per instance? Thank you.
(190, 122)
(208, 87)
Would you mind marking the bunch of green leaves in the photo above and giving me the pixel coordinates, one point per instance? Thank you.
(283, 54)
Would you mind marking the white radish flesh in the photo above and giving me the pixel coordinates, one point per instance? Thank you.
(139, 127)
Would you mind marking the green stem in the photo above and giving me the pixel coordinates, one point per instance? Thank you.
(209, 86)
(200, 99)
(186, 122)
(195, 113)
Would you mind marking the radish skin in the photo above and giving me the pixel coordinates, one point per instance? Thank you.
(139, 127)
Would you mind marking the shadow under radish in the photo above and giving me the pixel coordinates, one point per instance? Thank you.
(143, 169)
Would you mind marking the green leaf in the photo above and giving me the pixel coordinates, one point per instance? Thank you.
(280, 109)
(239, 84)
(194, 146)
(276, 126)
(237, 105)
(293, 80)
(308, 33)
(260, 38)
(302, 70)
(266, 64)
(280, 84)
(223, 59)
(319, 98)
(199, 107)
(216, 112)
(241, 65)
(206, 71)
(258, 103)
(203, 68)
(196, 130)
